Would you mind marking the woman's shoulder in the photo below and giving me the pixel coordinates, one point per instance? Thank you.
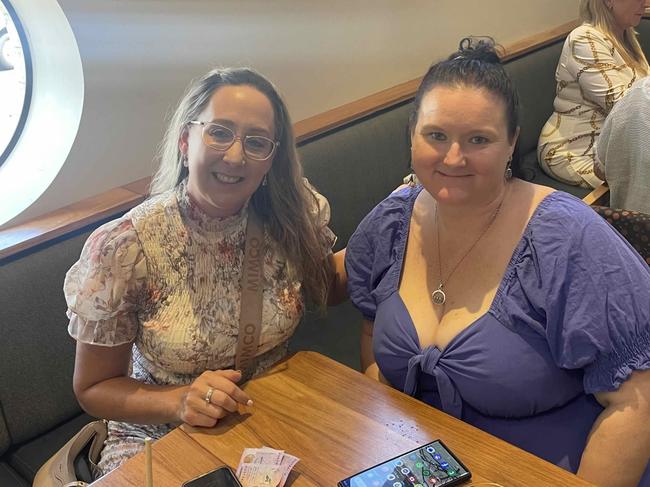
(586, 30)
(154, 205)
(396, 205)
(562, 204)
(319, 206)
(113, 234)
(391, 215)
(565, 225)
(563, 210)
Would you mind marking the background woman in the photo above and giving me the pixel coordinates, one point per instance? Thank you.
(485, 296)
(154, 301)
(600, 60)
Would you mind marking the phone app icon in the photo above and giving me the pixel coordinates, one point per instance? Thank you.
(399, 463)
(431, 449)
(390, 476)
(444, 464)
(397, 484)
(405, 471)
(437, 456)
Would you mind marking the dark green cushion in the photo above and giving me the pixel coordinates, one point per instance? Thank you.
(336, 335)
(5, 440)
(531, 171)
(358, 165)
(534, 77)
(644, 36)
(37, 353)
(10, 478)
(29, 457)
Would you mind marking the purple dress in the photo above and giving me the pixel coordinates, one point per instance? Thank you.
(571, 317)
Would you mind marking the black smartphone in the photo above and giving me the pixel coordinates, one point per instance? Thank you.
(430, 465)
(221, 477)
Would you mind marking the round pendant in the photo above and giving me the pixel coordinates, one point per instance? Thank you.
(438, 296)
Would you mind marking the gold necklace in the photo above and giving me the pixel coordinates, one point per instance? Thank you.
(438, 296)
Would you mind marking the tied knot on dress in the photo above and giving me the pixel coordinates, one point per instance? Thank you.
(428, 362)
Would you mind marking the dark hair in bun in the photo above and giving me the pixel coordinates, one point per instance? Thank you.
(477, 48)
(476, 64)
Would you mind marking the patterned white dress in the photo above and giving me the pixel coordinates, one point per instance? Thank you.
(166, 277)
(591, 77)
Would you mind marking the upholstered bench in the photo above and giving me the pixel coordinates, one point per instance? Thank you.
(354, 165)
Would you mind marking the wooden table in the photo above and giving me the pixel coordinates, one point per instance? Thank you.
(338, 422)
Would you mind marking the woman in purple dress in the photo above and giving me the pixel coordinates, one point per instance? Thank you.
(507, 304)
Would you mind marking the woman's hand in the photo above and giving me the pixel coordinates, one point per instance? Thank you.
(105, 390)
(212, 396)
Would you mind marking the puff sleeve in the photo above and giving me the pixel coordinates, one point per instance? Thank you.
(321, 213)
(358, 266)
(373, 253)
(104, 287)
(592, 291)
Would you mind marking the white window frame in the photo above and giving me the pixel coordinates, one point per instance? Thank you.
(52, 118)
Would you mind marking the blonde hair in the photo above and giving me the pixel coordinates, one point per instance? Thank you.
(596, 13)
(284, 204)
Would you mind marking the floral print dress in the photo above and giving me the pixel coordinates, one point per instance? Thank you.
(166, 277)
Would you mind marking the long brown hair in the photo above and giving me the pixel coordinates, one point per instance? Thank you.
(284, 204)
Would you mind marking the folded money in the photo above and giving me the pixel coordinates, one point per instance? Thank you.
(265, 467)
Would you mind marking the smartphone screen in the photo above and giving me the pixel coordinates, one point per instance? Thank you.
(427, 466)
(221, 477)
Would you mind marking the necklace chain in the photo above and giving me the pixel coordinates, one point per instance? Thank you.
(438, 296)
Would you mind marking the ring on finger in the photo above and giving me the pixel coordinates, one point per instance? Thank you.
(208, 395)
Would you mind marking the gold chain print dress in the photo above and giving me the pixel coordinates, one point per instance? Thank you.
(591, 77)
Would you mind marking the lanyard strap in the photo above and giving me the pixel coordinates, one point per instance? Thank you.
(252, 284)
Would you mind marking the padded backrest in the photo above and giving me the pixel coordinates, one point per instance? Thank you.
(358, 165)
(644, 36)
(534, 77)
(37, 355)
(5, 439)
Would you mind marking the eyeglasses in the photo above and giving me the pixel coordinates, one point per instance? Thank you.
(221, 138)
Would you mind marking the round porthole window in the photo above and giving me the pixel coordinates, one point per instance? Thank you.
(15, 79)
(40, 108)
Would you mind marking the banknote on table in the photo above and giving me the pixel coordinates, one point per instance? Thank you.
(264, 467)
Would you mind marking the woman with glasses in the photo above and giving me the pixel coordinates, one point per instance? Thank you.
(155, 299)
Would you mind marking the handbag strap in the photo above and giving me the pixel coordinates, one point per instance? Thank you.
(250, 315)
